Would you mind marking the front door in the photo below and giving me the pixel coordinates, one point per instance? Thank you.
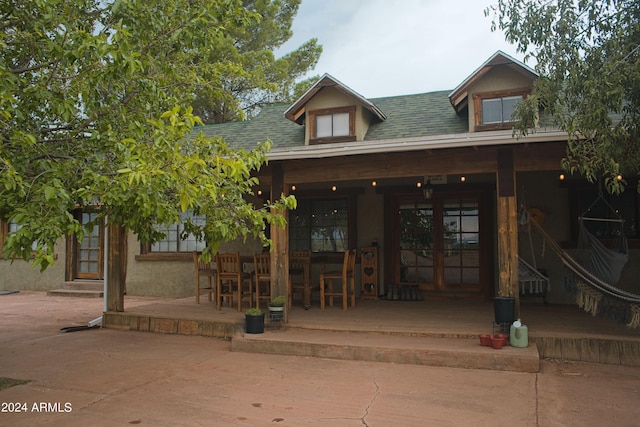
(88, 254)
(440, 244)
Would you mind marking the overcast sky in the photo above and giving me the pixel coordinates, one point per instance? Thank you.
(384, 48)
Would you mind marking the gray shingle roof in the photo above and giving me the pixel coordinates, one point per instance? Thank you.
(407, 116)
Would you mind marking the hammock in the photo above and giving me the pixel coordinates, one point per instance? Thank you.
(605, 263)
(594, 293)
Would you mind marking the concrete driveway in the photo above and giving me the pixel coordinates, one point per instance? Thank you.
(105, 377)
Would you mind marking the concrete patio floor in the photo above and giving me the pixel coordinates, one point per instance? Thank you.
(558, 331)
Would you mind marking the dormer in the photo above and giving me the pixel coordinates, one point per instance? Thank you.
(331, 112)
(492, 91)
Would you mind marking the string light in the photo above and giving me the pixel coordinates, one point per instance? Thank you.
(293, 188)
(561, 177)
(334, 188)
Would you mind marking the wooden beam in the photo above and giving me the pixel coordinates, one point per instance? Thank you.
(116, 267)
(507, 227)
(279, 242)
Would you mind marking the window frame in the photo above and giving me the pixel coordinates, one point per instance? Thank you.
(351, 222)
(482, 96)
(147, 253)
(313, 114)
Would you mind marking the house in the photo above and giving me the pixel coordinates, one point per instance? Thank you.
(435, 182)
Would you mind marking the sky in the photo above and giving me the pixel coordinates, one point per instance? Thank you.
(382, 48)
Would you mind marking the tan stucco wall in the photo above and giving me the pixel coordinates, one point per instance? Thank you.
(498, 78)
(370, 226)
(171, 278)
(21, 275)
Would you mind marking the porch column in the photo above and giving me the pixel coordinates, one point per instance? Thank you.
(116, 267)
(279, 240)
(507, 227)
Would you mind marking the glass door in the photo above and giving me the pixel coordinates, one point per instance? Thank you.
(439, 243)
(416, 244)
(89, 252)
(461, 244)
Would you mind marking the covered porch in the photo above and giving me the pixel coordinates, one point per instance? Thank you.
(558, 331)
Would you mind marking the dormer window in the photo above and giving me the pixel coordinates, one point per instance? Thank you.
(499, 110)
(332, 125)
(493, 110)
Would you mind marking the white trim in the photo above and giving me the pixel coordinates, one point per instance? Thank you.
(436, 142)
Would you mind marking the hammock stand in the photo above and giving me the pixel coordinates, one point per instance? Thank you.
(530, 278)
(593, 293)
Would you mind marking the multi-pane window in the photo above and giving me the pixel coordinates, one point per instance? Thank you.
(499, 110)
(320, 225)
(176, 240)
(330, 125)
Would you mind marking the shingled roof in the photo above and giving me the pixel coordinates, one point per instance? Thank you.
(408, 116)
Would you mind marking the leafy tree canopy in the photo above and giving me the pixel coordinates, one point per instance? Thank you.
(588, 59)
(245, 74)
(94, 112)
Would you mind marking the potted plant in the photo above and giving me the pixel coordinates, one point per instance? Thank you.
(276, 308)
(254, 318)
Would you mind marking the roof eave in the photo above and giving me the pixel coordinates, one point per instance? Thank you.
(395, 145)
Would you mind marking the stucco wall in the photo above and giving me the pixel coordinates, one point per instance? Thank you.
(21, 275)
(170, 278)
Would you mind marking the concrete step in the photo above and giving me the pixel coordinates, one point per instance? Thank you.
(79, 291)
(86, 285)
(377, 347)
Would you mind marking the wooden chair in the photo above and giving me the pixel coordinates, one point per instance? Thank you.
(346, 276)
(203, 269)
(262, 277)
(299, 267)
(229, 273)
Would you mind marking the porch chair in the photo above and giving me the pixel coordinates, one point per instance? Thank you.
(262, 277)
(299, 266)
(346, 276)
(230, 272)
(203, 269)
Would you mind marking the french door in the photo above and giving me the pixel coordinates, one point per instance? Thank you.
(88, 255)
(440, 244)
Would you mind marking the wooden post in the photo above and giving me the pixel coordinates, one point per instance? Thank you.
(116, 267)
(507, 227)
(280, 242)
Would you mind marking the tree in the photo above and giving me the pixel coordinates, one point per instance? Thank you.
(588, 60)
(246, 74)
(94, 112)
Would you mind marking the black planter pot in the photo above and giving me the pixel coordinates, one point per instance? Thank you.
(254, 324)
(504, 309)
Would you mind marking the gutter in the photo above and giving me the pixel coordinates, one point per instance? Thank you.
(436, 142)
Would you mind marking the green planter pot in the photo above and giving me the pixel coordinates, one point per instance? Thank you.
(254, 324)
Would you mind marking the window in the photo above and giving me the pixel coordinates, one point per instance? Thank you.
(320, 225)
(499, 110)
(175, 240)
(332, 125)
(493, 110)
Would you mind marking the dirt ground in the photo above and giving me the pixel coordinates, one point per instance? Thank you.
(112, 378)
